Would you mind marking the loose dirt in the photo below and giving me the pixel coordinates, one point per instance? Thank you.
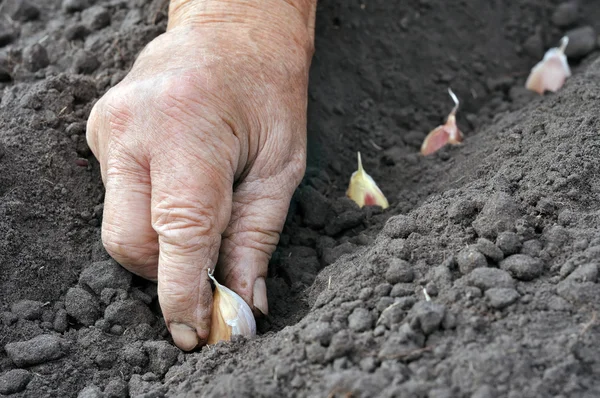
(480, 280)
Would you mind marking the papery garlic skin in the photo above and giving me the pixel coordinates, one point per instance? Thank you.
(363, 190)
(551, 72)
(447, 133)
(231, 316)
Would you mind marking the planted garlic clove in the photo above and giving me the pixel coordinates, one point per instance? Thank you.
(550, 73)
(363, 190)
(231, 315)
(445, 134)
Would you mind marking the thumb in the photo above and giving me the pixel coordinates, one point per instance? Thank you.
(259, 211)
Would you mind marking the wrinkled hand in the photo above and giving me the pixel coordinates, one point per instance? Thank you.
(201, 147)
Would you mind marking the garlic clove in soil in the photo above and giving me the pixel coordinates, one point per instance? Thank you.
(551, 72)
(363, 190)
(445, 134)
(231, 315)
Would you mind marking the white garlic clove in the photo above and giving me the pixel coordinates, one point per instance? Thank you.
(231, 316)
(363, 190)
(447, 133)
(550, 73)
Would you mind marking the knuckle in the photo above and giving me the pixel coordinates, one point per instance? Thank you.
(297, 166)
(186, 89)
(248, 231)
(177, 289)
(111, 115)
(126, 248)
(185, 225)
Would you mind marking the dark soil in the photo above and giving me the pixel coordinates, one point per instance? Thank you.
(502, 232)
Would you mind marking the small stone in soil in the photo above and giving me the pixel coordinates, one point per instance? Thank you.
(117, 330)
(577, 292)
(470, 258)
(499, 214)
(162, 356)
(75, 5)
(145, 386)
(565, 14)
(462, 210)
(129, 313)
(441, 274)
(110, 295)
(8, 318)
(392, 315)
(7, 35)
(399, 271)
(20, 10)
(431, 289)
(522, 266)
(403, 344)
(427, 316)
(584, 273)
(35, 57)
(501, 297)
(508, 242)
(489, 249)
(105, 360)
(346, 220)
(85, 62)
(382, 290)
(319, 331)
(368, 364)
(38, 350)
(116, 388)
(488, 278)
(315, 353)
(331, 255)
(399, 226)
(484, 391)
(313, 206)
(472, 292)
(76, 32)
(27, 309)
(82, 306)
(102, 274)
(532, 247)
(582, 41)
(340, 345)
(95, 17)
(134, 355)
(14, 381)
(90, 392)
(402, 290)
(360, 320)
(60, 321)
(383, 303)
(365, 293)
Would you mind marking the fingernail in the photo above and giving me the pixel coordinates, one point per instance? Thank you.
(184, 336)
(259, 296)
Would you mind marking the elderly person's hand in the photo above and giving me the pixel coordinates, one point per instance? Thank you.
(201, 147)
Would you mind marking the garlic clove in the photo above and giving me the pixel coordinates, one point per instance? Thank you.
(447, 133)
(363, 190)
(231, 315)
(551, 72)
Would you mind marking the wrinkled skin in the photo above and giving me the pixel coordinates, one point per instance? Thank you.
(201, 147)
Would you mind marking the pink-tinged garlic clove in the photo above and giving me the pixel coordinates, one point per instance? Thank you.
(550, 73)
(363, 190)
(447, 133)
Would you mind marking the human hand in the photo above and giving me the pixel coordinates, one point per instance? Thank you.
(201, 147)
